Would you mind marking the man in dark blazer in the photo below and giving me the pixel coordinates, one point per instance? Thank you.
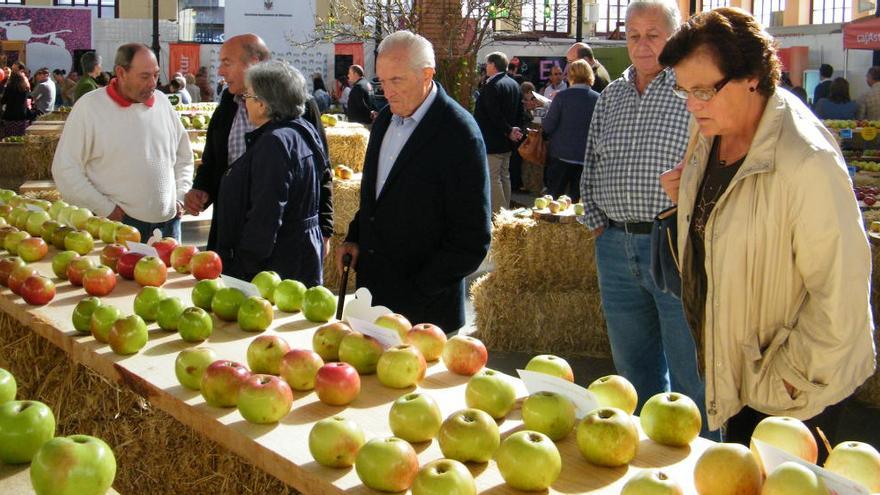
(360, 100)
(424, 218)
(499, 112)
(826, 72)
(225, 137)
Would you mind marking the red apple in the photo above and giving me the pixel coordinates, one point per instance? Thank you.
(99, 281)
(206, 265)
(222, 381)
(337, 384)
(111, 253)
(37, 290)
(77, 268)
(32, 249)
(18, 276)
(299, 368)
(7, 265)
(429, 339)
(127, 262)
(181, 258)
(150, 271)
(464, 355)
(164, 247)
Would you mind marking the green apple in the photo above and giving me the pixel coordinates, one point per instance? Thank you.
(415, 418)
(191, 364)
(671, 418)
(469, 435)
(195, 325)
(551, 365)
(203, 292)
(25, 425)
(541, 203)
(82, 314)
(289, 295)
(401, 366)
(549, 413)
(108, 231)
(490, 391)
(361, 351)
(60, 262)
(146, 303)
(74, 465)
(103, 318)
(788, 434)
(790, 478)
(128, 335)
(608, 437)
(335, 442)
(80, 217)
(298, 367)
(56, 208)
(579, 209)
(396, 322)
(319, 304)
(79, 241)
(429, 339)
(387, 464)
(327, 338)
(264, 399)
(13, 239)
(652, 482)
(222, 381)
(8, 386)
(857, 461)
(35, 221)
(93, 226)
(168, 312)
(226, 302)
(255, 314)
(48, 230)
(444, 477)
(264, 355)
(528, 460)
(615, 391)
(59, 235)
(266, 283)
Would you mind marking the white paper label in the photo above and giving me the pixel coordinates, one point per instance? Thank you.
(584, 401)
(772, 457)
(139, 247)
(31, 207)
(387, 337)
(361, 307)
(247, 288)
(157, 236)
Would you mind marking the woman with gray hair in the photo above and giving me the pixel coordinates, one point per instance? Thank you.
(267, 214)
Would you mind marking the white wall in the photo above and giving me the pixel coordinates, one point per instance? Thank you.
(109, 34)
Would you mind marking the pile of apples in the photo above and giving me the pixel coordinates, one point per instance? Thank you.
(850, 124)
(866, 195)
(343, 172)
(13, 139)
(79, 464)
(558, 205)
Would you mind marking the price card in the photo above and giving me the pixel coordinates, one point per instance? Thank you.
(247, 288)
(772, 457)
(387, 337)
(584, 401)
(139, 247)
(846, 133)
(31, 207)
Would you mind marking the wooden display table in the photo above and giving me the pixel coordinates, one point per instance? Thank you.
(44, 129)
(17, 480)
(282, 450)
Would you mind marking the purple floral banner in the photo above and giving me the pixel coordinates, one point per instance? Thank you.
(52, 34)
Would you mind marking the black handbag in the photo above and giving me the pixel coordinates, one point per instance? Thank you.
(665, 268)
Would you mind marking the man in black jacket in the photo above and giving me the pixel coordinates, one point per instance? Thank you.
(225, 137)
(499, 112)
(360, 100)
(424, 220)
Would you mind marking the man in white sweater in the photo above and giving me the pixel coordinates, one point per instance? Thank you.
(124, 153)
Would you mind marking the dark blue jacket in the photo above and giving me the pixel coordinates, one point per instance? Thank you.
(568, 121)
(430, 226)
(267, 213)
(499, 108)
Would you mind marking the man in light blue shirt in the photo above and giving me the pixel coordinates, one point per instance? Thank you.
(398, 134)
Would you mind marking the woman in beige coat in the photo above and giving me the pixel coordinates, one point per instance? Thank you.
(775, 262)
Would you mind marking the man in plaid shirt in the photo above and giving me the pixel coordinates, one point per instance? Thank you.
(638, 131)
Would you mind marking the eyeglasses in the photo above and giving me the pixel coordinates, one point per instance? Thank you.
(702, 94)
(255, 97)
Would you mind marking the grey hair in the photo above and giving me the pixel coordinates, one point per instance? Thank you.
(498, 59)
(419, 49)
(125, 54)
(668, 7)
(280, 86)
(90, 61)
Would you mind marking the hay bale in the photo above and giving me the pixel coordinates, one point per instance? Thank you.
(154, 452)
(346, 202)
(515, 317)
(348, 145)
(14, 164)
(39, 154)
(331, 277)
(542, 255)
(532, 177)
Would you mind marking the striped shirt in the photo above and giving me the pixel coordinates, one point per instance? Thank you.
(240, 126)
(633, 139)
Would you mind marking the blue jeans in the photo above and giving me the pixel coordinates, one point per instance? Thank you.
(171, 228)
(651, 343)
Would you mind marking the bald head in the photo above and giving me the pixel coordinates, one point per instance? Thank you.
(237, 55)
(579, 51)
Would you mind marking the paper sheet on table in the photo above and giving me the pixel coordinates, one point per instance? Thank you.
(139, 247)
(772, 457)
(361, 307)
(247, 288)
(386, 337)
(584, 401)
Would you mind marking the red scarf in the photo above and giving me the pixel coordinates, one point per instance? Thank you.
(120, 99)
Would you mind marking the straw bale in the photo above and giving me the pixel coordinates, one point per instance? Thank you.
(54, 116)
(331, 277)
(346, 202)
(154, 452)
(870, 215)
(348, 145)
(13, 164)
(49, 195)
(39, 154)
(513, 317)
(532, 177)
(542, 255)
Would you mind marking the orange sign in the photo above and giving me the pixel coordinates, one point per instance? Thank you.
(862, 34)
(183, 58)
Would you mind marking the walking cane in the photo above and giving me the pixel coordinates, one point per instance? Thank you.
(343, 286)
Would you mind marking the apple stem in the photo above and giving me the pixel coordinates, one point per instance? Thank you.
(825, 441)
